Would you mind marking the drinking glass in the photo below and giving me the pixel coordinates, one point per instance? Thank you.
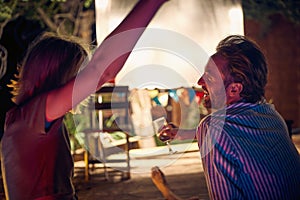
(158, 125)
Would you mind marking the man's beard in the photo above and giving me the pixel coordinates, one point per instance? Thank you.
(207, 101)
(214, 102)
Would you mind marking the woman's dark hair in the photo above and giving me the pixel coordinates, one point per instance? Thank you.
(246, 64)
(50, 62)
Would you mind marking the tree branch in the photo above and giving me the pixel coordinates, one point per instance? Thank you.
(46, 19)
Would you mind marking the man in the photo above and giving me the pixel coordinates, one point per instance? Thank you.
(244, 143)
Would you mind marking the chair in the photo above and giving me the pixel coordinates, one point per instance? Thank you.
(108, 112)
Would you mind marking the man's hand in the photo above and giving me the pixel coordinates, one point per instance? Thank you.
(168, 131)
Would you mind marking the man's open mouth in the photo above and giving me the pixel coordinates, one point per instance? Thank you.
(205, 91)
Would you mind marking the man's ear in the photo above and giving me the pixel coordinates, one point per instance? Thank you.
(234, 89)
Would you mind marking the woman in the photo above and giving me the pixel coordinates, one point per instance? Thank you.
(36, 158)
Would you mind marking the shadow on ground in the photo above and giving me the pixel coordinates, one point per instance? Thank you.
(138, 187)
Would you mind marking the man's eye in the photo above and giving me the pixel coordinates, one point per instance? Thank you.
(209, 78)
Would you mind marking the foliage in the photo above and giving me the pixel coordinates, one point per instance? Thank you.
(262, 9)
(50, 13)
(75, 123)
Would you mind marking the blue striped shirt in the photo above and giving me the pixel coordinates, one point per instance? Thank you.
(247, 154)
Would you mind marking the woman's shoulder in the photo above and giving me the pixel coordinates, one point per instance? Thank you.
(34, 107)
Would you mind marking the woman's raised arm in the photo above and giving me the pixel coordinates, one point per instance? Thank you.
(106, 62)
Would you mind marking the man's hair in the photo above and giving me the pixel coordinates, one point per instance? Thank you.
(246, 64)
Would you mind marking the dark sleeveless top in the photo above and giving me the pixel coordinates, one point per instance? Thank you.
(39, 162)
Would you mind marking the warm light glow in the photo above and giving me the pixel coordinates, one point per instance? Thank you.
(236, 20)
(203, 22)
(113, 23)
(157, 69)
(102, 4)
